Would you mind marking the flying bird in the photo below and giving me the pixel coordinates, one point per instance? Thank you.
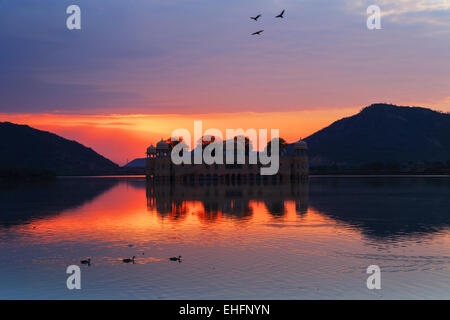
(281, 14)
(257, 32)
(256, 18)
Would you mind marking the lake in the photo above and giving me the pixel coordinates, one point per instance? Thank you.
(312, 240)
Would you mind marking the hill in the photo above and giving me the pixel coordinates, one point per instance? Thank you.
(24, 147)
(383, 133)
(136, 163)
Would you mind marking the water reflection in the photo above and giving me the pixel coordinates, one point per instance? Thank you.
(23, 202)
(171, 200)
(379, 207)
(385, 207)
(269, 241)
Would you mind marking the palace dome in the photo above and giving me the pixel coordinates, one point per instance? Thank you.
(162, 145)
(300, 145)
(151, 150)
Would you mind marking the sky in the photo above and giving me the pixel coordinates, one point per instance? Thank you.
(139, 69)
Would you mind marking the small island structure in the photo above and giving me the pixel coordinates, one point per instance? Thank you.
(293, 167)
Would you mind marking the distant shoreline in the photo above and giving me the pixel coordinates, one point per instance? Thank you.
(37, 175)
(380, 175)
(310, 176)
(103, 176)
(25, 174)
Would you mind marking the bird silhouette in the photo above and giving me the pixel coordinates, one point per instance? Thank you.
(88, 261)
(281, 14)
(257, 32)
(176, 259)
(256, 18)
(128, 260)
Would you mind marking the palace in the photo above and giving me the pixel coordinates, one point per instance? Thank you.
(293, 167)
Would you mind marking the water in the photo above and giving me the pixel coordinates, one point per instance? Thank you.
(310, 241)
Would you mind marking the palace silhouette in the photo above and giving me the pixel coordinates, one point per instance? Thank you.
(293, 167)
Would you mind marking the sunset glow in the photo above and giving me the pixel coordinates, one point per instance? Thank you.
(121, 137)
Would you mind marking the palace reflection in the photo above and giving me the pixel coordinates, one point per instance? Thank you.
(380, 208)
(233, 200)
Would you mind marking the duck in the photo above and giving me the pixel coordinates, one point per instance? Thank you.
(128, 260)
(88, 261)
(175, 259)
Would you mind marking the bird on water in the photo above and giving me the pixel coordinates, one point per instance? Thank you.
(128, 260)
(88, 261)
(175, 259)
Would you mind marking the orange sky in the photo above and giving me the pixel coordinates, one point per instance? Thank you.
(122, 137)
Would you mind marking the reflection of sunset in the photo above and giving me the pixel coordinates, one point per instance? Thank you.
(123, 215)
(247, 240)
(140, 213)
